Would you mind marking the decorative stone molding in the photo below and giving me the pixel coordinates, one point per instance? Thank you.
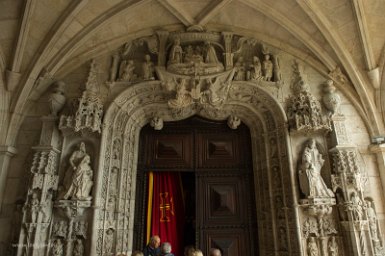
(303, 109)
(90, 109)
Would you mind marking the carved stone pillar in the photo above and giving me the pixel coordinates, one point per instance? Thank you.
(162, 37)
(6, 153)
(37, 211)
(348, 184)
(228, 37)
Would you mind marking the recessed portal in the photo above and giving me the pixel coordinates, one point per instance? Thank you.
(213, 165)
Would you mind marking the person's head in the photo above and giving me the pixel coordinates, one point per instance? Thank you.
(155, 241)
(267, 56)
(198, 253)
(215, 252)
(166, 247)
(147, 57)
(82, 146)
(137, 253)
(189, 250)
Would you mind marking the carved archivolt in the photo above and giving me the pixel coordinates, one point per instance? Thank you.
(149, 102)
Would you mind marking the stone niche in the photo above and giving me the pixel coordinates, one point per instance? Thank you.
(170, 76)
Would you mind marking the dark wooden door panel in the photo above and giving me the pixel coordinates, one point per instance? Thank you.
(221, 200)
(217, 150)
(171, 151)
(232, 242)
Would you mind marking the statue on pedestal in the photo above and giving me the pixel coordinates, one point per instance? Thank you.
(312, 184)
(81, 184)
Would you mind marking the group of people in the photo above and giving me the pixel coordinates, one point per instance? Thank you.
(155, 248)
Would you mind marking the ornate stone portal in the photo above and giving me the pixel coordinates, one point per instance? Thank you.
(172, 76)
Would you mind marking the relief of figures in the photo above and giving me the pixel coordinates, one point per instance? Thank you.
(126, 71)
(193, 59)
(311, 182)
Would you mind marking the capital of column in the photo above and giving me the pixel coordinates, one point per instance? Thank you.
(8, 150)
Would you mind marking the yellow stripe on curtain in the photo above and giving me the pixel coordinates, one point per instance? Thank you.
(149, 206)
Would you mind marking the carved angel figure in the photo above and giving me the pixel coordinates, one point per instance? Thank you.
(312, 184)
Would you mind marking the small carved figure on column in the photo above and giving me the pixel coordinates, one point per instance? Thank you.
(356, 206)
(267, 68)
(34, 207)
(256, 72)
(240, 70)
(57, 248)
(82, 181)
(148, 68)
(176, 53)
(333, 247)
(78, 248)
(312, 184)
(372, 218)
(109, 239)
(312, 247)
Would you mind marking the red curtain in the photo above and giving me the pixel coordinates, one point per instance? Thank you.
(165, 215)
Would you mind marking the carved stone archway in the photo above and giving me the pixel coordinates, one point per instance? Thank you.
(274, 178)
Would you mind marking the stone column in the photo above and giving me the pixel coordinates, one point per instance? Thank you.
(6, 153)
(162, 37)
(348, 183)
(37, 211)
(228, 37)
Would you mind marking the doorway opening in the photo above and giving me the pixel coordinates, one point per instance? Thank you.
(215, 168)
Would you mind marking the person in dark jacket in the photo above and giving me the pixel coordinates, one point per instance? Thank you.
(152, 249)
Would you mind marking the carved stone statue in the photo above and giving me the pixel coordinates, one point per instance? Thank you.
(127, 70)
(372, 218)
(34, 206)
(78, 248)
(312, 247)
(211, 55)
(333, 247)
(57, 248)
(109, 239)
(256, 71)
(182, 98)
(75, 159)
(312, 184)
(176, 53)
(233, 122)
(356, 206)
(267, 68)
(82, 181)
(240, 70)
(157, 123)
(148, 68)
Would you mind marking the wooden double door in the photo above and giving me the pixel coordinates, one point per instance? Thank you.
(215, 164)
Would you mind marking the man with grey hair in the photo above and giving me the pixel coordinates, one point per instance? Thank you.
(166, 249)
(215, 252)
(152, 249)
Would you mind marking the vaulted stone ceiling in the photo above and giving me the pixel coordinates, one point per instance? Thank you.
(55, 37)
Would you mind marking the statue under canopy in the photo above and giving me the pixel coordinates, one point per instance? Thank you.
(311, 182)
